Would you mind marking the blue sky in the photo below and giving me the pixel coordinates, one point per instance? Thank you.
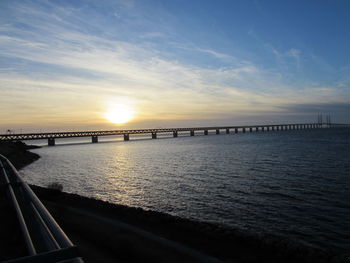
(62, 63)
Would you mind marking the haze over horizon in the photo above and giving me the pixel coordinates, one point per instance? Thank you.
(135, 64)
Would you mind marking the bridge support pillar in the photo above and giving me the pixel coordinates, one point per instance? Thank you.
(205, 132)
(51, 141)
(236, 130)
(154, 135)
(243, 130)
(250, 129)
(174, 134)
(217, 131)
(262, 128)
(277, 128)
(227, 131)
(256, 128)
(94, 139)
(126, 137)
(192, 133)
(273, 128)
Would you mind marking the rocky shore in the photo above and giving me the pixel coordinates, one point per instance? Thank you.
(88, 222)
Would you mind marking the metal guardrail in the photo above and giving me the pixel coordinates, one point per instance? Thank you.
(44, 239)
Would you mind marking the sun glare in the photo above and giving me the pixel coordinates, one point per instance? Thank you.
(119, 115)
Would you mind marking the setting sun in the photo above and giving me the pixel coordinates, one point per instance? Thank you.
(119, 115)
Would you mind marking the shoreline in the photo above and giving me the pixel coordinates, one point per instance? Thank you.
(84, 221)
(223, 243)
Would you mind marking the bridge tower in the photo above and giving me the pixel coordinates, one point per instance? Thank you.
(94, 139)
(51, 141)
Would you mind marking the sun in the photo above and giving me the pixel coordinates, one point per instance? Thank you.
(119, 114)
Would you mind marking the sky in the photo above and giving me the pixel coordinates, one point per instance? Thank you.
(70, 65)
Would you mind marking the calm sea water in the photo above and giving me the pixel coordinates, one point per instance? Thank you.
(294, 184)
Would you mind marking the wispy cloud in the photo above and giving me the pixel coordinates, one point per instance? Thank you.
(284, 59)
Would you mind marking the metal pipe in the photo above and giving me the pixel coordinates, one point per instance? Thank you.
(22, 224)
(60, 236)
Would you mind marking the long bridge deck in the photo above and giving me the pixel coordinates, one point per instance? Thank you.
(51, 136)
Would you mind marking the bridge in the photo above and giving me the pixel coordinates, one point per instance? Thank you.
(51, 136)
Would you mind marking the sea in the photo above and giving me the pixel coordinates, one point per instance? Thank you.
(292, 184)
